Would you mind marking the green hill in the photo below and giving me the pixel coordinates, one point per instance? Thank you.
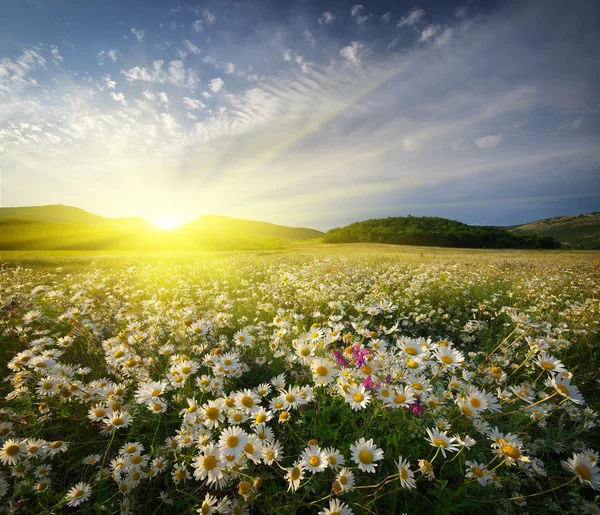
(69, 228)
(578, 231)
(433, 231)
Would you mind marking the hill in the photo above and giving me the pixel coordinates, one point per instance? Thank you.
(69, 228)
(433, 231)
(578, 231)
(70, 215)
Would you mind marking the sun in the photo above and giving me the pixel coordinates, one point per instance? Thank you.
(166, 222)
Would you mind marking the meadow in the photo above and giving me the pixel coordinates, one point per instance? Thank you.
(329, 379)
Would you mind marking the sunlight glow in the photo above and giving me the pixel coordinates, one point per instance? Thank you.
(166, 222)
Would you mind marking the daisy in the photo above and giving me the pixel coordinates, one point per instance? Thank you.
(406, 475)
(357, 397)
(563, 386)
(294, 476)
(478, 471)
(91, 459)
(208, 507)
(314, 459)
(585, 468)
(334, 457)
(549, 363)
(117, 420)
(232, 441)
(271, 451)
(344, 481)
(247, 400)
(253, 448)
(364, 453)
(442, 441)
(180, 473)
(11, 451)
(324, 371)
(80, 493)
(213, 416)
(336, 507)
(450, 358)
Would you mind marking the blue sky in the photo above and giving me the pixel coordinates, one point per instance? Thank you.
(310, 113)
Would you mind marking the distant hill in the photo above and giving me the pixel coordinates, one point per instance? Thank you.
(70, 215)
(70, 228)
(433, 231)
(577, 231)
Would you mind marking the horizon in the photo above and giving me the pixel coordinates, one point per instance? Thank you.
(166, 223)
(305, 114)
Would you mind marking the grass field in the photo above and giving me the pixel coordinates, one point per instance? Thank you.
(313, 379)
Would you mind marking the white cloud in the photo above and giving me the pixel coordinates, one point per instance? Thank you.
(138, 33)
(326, 18)
(163, 97)
(413, 17)
(14, 73)
(108, 82)
(148, 95)
(307, 34)
(175, 10)
(386, 17)
(197, 25)
(111, 54)
(176, 74)
(210, 17)
(56, 57)
(193, 104)
(191, 116)
(356, 10)
(429, 32)
(190, 47)
(216, 85)
(287, 54)
(491, 141)
(229, 68)
(119, 97)
(353, 52)
(461, 11)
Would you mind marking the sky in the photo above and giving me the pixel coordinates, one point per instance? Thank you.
(313, 113)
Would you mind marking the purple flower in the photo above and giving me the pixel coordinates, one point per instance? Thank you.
(416, 407)
(338, 355)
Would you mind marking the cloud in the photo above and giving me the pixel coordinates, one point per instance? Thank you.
(175, 10)
(326, 18)
(108, 82)
(190, 47)
(193, 104)
(210, 17)
(356, 14)
(14, 74)
(356, 10)
(56, 57)
(414, 16)
(461, 11)
(197, 25)
(216, 85)
(307, 34)
(429, 31)
(138, 33)
(176, 74)
(354, 52)
(386, 17)
(489, 141)
(111, 54)
(119, 97)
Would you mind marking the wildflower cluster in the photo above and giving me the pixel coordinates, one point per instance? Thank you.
(270, 384)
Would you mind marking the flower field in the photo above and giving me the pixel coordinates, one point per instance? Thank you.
(307, 382)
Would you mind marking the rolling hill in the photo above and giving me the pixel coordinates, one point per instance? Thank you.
(433, 231)
(70, 228)
(577, 231)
